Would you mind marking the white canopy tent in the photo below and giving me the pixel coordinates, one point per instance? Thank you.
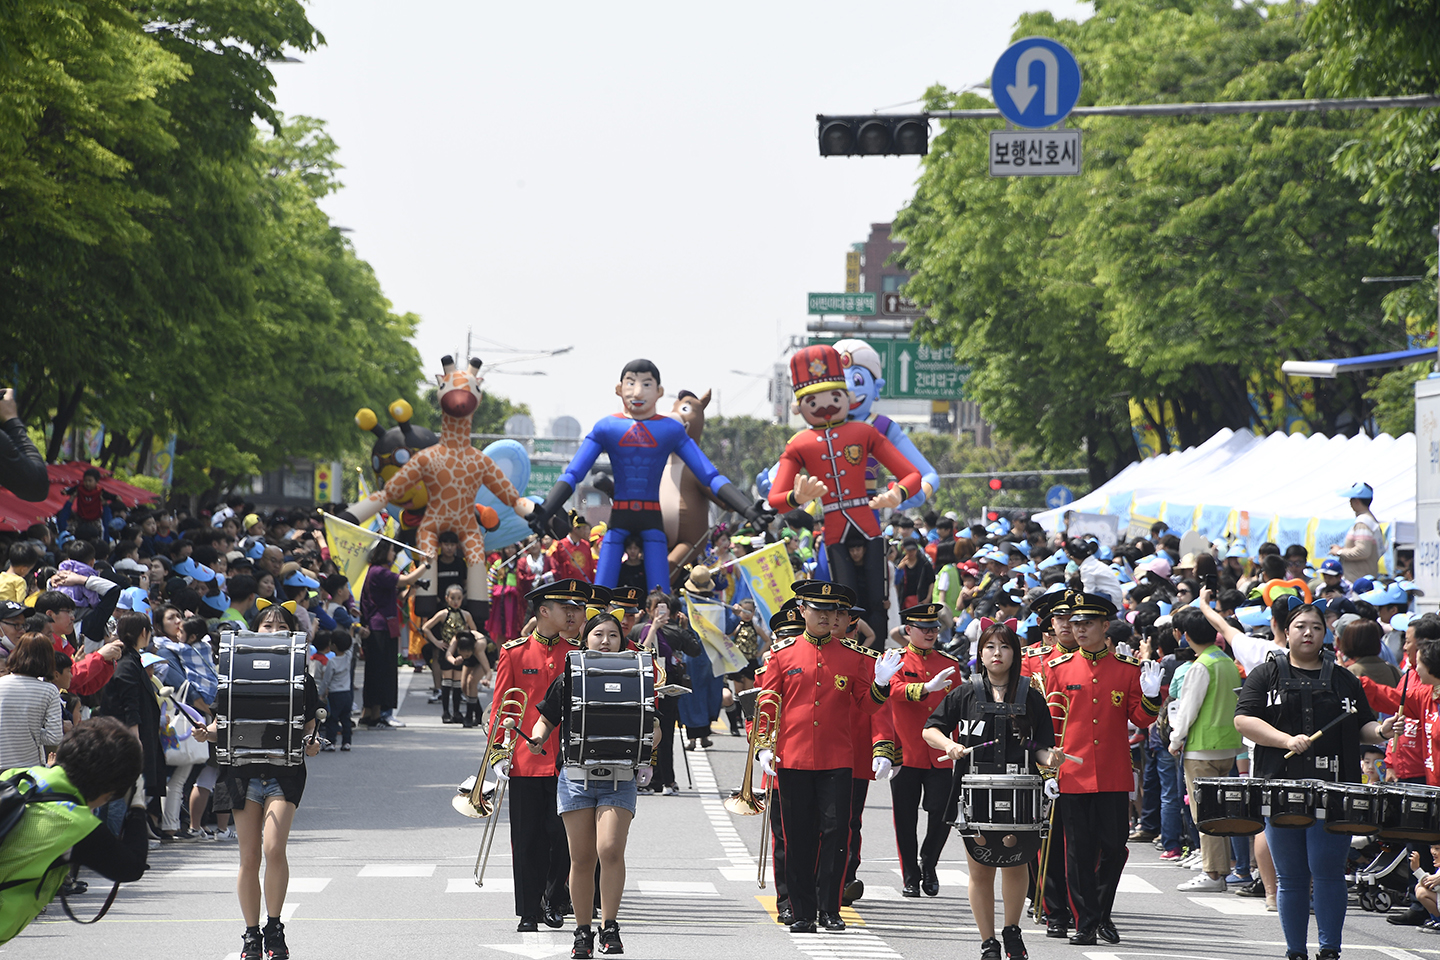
(1257, 488)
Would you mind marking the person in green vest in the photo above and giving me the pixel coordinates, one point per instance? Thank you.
(948, 584)
(1202, 731)
(97, 762)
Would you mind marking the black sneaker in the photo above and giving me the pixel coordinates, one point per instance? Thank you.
(1014, 944)
(1255, 888)
(610, 938)
(275, 948)
(584, 947)
(1410, 918)
(990, 949)
(252, 945)
(1328, 953)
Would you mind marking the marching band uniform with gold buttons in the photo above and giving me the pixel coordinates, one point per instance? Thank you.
(821, 682)
(1103, 694)
(920, 778)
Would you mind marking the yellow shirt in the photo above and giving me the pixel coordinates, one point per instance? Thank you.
(12, 587)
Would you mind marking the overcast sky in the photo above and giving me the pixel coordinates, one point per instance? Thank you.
(630, 180)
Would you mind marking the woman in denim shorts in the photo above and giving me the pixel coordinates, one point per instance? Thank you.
(597, 813)
(265, 797)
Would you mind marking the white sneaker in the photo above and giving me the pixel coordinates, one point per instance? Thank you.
(1189, 862)
(227, 834)
(1203, 884)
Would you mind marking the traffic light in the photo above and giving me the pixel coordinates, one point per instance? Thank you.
(997, 484)
(874, 135)
(1030, 481)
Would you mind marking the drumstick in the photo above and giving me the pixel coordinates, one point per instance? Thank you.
(1029, 744)
(1321, 731)
(509, 724)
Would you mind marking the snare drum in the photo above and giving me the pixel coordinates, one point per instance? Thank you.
(1352, 808)
(1228, 806)
(1289, 803)
(1410, 811)
(1005, 802)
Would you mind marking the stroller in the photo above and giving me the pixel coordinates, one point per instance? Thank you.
(1380, 874)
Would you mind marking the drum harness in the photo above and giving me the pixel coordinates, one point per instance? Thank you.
(1001, 714)
(1287, 682)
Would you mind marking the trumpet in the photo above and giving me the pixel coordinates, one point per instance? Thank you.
(504, 735)
(764, 730)
(1059, 706)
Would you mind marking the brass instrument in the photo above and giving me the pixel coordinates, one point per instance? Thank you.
(1059, 706)
(764, 730)
(504, 729)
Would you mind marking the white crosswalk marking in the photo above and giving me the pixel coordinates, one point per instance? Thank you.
(849, 944)
(398, 870)
(947, 878)
(1129, 883)
(675, 888)
(1233, 906)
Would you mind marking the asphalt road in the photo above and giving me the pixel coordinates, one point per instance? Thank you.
(381, 867)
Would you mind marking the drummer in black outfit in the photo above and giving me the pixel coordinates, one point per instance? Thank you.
(998, 705)
(1285, 703)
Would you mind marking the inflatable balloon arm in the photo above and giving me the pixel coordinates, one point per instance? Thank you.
(929, 477)
(398, 485)
(553, 506)
(726, 492)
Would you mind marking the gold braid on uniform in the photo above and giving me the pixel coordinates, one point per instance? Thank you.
(914, 692)
(878, 693)
(886, 750)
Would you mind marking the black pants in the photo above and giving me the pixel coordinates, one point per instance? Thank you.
(817, 831)
(867, 580)
(663, 756)
(906, 787)
(859, 790)
(1096, 828)
(382, 672)
(777, 850)
(1057, 888)
(540, 855)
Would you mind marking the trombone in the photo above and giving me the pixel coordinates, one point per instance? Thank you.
(1059, 705)
(505, 727)
(764, 730)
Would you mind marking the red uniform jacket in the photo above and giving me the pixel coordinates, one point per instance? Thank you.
(911, 706)
(836, 456)
(822, 683)
(532, 664)
(1104, 696)
(1416, 754)
(573, 561)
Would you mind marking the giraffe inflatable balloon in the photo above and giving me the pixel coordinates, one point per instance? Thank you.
(452, 471)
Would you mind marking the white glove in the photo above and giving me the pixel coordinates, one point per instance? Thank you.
(1150, 672)
(1052, 789)
(644, 775)
(767, 761)
(886, 667)
(941, 681)
(882, 767)
(501, 771)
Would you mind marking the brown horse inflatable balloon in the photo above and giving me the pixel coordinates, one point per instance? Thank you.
(684, 500)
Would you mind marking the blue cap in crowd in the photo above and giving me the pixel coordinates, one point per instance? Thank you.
(1359, 491)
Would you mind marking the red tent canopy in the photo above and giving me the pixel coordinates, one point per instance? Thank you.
(17, 514)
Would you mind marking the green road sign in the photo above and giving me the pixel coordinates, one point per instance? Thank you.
(542, 477)
(917, 371)
(850, 304)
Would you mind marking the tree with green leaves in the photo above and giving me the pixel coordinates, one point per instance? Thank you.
(1190, 259)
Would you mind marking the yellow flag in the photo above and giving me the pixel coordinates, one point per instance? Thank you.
(708, 620)
(767, 577)
(350, 549)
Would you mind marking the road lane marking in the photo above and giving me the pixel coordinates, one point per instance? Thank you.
(398, 870)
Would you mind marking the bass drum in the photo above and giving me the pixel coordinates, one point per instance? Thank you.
(995, 848)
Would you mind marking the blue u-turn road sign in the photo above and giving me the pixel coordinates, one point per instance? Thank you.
(1036, 82)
